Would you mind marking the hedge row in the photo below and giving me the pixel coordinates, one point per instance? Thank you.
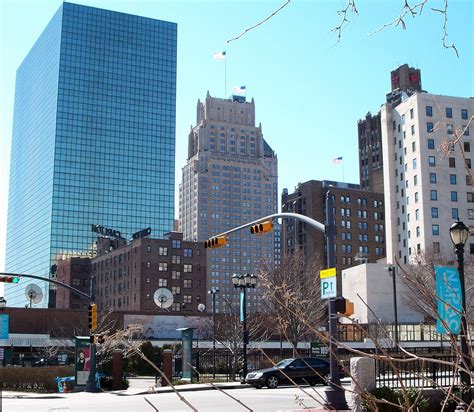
(41, 379)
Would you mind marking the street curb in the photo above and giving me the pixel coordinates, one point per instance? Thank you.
(201, 387)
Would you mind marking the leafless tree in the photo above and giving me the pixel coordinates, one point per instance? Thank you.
(291, 292)
(409, 9)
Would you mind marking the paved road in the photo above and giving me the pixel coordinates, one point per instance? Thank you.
(284, 398)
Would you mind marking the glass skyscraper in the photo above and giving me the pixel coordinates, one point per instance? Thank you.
(93, 137)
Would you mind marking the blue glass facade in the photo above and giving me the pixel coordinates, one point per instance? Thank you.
(93, 138)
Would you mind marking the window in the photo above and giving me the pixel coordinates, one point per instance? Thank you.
(187, 268)
(470, 214)
(452, 179)
(449, 112)
(148, 264)
(431, 161)
(418, 231)
(434, 194)
(411, 113)
(452, 162)
(188, 253)
(431, 144)
(435, 230)
(434, 212)
(175, 275)
(454, 196)
(188, 283)
(416, 197)
(470, 197)
(162, 282)
(163, 251)
(429, 111)
(412, 129)
(415, 180)
(148, 296)
(176, 244)
(468, 180)
(162, 266)
(188, 298)
(468, 163)
(429, 127)
(464, 114)
(148, 248)
(176, 259)
(450, 128)
(413, 146)
(176, 290)
(465, 129)
(414, 164)
(454, 213)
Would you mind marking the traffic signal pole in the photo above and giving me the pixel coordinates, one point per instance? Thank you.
(90, 384)
(335, 397)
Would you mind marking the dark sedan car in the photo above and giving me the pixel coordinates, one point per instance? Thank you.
(300, 370)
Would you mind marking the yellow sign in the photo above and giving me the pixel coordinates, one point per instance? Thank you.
(327, 273)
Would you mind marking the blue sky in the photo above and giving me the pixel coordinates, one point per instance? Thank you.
(309, 90)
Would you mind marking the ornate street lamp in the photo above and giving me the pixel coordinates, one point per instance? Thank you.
(459, 233)
(243, 282)
(213, 291)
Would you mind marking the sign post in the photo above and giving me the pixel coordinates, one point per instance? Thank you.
(328, 283)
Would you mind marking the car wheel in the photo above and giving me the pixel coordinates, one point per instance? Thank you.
(272, 382)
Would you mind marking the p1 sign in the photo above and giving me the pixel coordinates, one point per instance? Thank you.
(328, 288)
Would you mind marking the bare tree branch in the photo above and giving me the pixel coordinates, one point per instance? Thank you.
(260, 23)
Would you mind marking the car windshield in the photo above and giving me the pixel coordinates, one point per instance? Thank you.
(283, 363)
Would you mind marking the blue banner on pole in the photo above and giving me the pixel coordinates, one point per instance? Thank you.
(4, 325)
(448, 293)
(242, 305)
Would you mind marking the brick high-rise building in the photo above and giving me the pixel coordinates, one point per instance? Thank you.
(359, 218)
(404, 82)
(128, 277)
(230, 179)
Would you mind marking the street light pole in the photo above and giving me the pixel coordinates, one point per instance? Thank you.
(392, 270)
(243, 282)
(335, 398)
(213, 291)
(459, 234)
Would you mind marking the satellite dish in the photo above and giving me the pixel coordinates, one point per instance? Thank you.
(201, 307)
(34, 294)
(163, 298)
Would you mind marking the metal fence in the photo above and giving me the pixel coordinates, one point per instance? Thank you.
(227, 365)
(417, 373)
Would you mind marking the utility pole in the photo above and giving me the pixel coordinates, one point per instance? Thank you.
(335, 397)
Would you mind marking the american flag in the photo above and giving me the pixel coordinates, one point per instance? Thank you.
(240, 89)
(219, 55)
(336, 160)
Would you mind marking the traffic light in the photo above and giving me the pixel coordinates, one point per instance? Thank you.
(93, 317)
(9, 279)
(215, 242)
(344, 306)
(261, 227)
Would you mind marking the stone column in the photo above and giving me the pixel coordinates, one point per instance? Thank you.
(362, 379)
